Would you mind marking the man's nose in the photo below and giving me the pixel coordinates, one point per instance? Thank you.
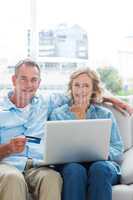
(29, 83)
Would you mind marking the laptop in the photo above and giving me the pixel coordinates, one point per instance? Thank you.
(77, 141)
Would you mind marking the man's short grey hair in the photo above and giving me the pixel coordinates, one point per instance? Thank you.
(26, 62)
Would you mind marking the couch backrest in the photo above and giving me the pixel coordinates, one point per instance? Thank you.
(125, 123)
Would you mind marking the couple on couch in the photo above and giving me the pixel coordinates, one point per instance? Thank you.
(23, 114)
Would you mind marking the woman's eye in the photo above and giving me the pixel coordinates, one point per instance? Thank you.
(86, 85)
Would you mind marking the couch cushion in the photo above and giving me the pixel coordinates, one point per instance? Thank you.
(127, 167)
(122, 192)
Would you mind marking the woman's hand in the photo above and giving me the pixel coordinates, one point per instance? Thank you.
(79, 110)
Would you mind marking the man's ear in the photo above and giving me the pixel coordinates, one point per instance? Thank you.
(14, 80)
(40, 81)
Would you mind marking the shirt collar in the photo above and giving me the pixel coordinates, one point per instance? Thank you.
(91, 112)
(9, 105)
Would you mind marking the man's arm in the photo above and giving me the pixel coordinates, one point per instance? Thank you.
(4, 150)
(116, 143)
(119, 104)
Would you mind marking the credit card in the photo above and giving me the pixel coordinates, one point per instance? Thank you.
(33, 139)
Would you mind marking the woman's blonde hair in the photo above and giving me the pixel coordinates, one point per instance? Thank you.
(98, 90)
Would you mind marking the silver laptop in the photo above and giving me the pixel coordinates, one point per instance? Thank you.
(77, 141)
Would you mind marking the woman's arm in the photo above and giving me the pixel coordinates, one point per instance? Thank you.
(116, 143)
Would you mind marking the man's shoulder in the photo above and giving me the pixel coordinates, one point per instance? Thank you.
(39, 99)
(61, 109)
(59, 98)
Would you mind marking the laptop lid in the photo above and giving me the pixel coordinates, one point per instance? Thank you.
(77, 140)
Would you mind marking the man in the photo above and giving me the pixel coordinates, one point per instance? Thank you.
(21, 117)
(118, 104)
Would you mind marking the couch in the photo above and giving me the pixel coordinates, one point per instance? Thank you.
(124, 191)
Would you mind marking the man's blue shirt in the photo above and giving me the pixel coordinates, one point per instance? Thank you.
(28, 121)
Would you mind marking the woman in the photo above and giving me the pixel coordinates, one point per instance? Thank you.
(96, 177)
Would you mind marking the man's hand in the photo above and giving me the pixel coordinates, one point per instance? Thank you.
(17, 145)
(119, 104)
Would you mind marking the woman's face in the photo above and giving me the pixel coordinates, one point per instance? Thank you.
(82, 88)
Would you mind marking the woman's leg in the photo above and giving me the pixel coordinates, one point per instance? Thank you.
(102, 175)
(74, 182)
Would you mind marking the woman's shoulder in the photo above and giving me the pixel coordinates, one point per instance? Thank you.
(100, 109)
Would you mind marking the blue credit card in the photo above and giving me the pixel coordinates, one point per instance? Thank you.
(33, 139)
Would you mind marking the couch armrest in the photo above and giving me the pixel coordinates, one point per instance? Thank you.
(127, 167)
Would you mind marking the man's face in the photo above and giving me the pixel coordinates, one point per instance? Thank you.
(26, 82)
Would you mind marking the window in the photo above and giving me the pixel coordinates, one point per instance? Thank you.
(64, 35)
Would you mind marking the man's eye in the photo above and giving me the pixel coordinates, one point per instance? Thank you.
(23, 79)
(76, 85)
(34, 80)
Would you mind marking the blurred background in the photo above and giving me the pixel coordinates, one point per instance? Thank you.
(65, 35)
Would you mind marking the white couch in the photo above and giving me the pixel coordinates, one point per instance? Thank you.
(124, 191)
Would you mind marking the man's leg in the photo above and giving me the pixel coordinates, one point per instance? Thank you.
(44, 183)
(102, 175)
(12, 184)
(74, 182)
